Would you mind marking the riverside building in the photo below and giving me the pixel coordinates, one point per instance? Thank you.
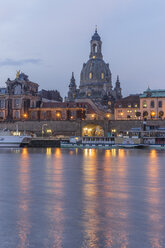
(152, 104)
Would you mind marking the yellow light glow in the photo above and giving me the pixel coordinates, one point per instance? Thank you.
(93, 115)
(49, 131)
(94, 57)
(58, 114)
(25, 115)
(153, 113)
(121, 113)
(108, 115)
(102, 75)
(48, 152)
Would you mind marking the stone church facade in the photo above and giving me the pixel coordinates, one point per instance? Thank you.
(95, 80)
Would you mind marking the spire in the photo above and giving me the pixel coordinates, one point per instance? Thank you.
(118, 81)
(72, 78)
(96, 29)
(72, 81)
(118, 89)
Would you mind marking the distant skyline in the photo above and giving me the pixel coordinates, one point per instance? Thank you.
(48, 40)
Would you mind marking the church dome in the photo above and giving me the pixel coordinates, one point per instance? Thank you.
(95, 71)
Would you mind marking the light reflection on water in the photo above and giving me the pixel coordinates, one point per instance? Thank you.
(23, 223)
(73, 198)
(154, 200)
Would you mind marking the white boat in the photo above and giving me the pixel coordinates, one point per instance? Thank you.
(7, 139)
(89, 142)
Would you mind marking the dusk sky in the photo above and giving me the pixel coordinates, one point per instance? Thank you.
(48, 39)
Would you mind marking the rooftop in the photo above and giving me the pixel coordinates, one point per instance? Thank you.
(153, 93)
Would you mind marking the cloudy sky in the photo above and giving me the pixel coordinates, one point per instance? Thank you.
(48, 39)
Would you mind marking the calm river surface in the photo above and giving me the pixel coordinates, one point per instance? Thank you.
(64, 198)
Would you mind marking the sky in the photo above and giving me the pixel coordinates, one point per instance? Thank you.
(50, 39)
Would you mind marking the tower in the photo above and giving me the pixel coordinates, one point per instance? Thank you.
(117, 89)
(72, 93)
(96, 45)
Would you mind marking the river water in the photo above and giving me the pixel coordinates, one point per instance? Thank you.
(66, 198)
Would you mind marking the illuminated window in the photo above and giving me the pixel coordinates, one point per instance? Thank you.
(90, 75)
(144, 104)
(102, 75)
(135, 105)
(129, 105)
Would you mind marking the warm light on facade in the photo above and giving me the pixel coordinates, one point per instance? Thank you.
(58, 114)
(108, 115)
(25, 115)
(49, 131)
(153, 113)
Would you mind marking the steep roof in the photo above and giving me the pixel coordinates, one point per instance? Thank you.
(132, 101)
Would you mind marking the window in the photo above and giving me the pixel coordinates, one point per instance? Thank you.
(1, 115)
(152, 104)
(17, 89)
(16, 103)
(135, 105)
(129, 105)
(144, 104)
(102, 75)
(16, 114)
(161, 113)
(2, 103)
(90, 75)
(160, 104)
(145, 114)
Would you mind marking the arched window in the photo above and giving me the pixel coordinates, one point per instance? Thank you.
(102, 75)
(144, 104)
(161, 113)
(90, 75)
(145, 114)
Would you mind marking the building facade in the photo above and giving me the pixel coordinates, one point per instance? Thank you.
(152, 104)
(63, 111)
(128, 108)
(19, 96)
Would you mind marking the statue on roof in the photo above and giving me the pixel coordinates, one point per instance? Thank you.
(17, 74)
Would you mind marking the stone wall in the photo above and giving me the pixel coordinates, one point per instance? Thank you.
(72, 128)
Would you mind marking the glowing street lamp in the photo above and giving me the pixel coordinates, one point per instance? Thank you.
(153, 114)
(25, 115)
(108, 115)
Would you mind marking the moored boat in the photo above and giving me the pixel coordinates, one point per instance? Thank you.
(8, 139)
